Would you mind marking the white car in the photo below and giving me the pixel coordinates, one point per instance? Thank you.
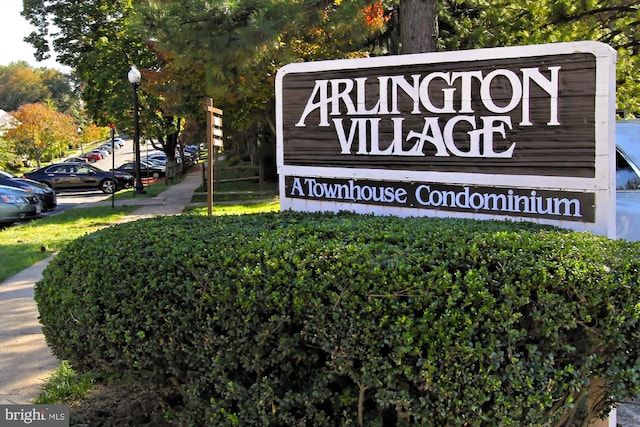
(628, 180)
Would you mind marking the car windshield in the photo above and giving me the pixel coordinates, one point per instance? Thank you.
(627, 139)
(626, 177)
(6, 175)
(628, 156)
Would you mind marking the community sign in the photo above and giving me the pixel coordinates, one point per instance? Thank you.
(520, 133)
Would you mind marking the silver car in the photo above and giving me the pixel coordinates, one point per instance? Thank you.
(628, 180)
(17, 205)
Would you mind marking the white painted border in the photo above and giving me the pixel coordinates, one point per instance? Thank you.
(603, 184)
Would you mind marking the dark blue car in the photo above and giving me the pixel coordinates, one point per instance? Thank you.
(44, 193)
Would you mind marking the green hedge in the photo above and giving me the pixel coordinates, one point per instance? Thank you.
(293, 319)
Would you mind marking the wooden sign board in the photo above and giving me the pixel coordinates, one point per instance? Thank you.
(520, 133)
(215, 126)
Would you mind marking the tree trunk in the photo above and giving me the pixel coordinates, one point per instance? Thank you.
(418, 26)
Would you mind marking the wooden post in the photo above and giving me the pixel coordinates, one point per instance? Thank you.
(214, 140)
(209, 180)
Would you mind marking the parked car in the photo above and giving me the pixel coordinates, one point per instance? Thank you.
(190, 159)
(106, 147)
(17, 205)
(194, 150)
(118, 142)
(92, 157)
(158, 156)
(77, 159)
(155, 162)
(77, 176)
(161, 160)
(147, 169)
(628, 180)
(103, 153)
(46, 195)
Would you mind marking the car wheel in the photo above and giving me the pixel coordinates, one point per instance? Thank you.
(156, 175)
(108, 186)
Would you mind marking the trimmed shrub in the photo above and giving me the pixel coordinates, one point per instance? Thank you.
(298, 319)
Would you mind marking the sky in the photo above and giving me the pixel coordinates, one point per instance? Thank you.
(13, 29)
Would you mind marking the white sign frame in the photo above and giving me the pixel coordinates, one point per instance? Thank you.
(602, 185)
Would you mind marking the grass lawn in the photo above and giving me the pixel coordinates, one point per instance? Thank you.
(237, 197)
(23, 245)
(65, 385)
(241, 208)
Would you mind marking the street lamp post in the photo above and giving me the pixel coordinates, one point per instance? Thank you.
(80, 139)
(134, 78)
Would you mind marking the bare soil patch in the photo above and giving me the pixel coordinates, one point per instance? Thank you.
(108, 405)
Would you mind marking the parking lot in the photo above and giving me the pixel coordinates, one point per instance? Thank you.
(78, 184)
(71, 198)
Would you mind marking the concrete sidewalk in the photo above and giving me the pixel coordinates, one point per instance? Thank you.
(25, 360)
(170, 202)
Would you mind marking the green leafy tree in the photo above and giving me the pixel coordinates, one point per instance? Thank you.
(97, 39)
(471, 24)
(230, 51)
(62, 91)
(93, 39)
(8, 158)
(614, 22)
(172, 94)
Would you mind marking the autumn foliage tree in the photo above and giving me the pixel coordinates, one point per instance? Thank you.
(91, 133)
(19, 85)
(172, 93)
(41, 132)
(236, 49)
(22, 84)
